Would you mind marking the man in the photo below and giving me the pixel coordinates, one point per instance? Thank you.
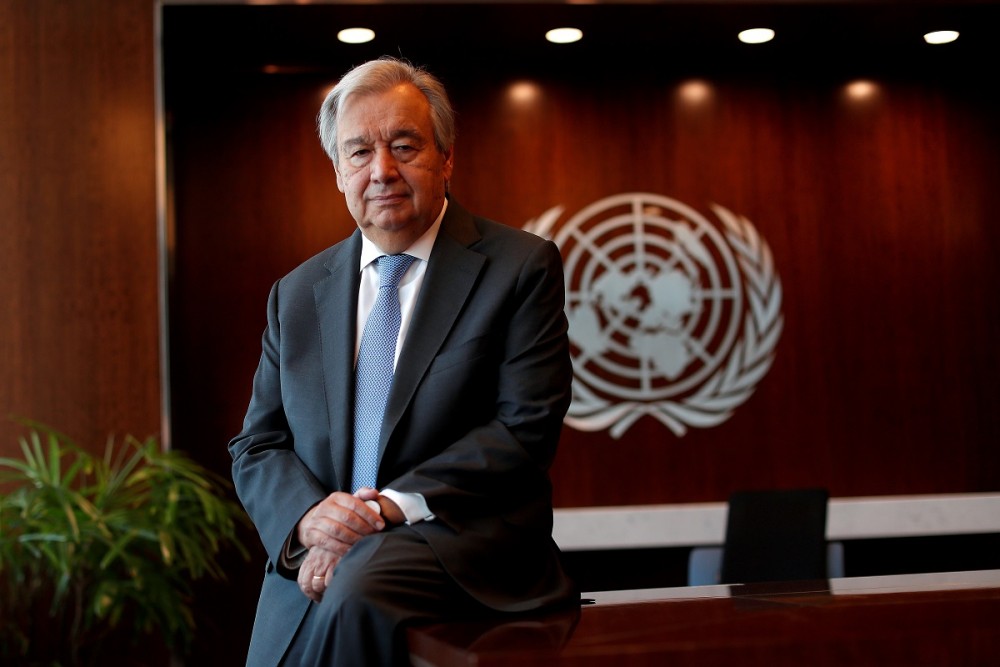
(456, 517)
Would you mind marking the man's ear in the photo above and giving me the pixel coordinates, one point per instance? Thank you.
(340, 179)
(449, 164)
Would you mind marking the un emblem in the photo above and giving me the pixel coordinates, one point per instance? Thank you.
(669, 315)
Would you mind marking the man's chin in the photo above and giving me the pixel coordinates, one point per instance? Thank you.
(390, 224)
(391, 236)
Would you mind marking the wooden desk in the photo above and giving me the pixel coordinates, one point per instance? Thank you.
(927, 619)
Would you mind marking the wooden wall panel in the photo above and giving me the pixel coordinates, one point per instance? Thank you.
(877, 213)
(257, 202)
(79, 342)
(880, 218)
(78, 249)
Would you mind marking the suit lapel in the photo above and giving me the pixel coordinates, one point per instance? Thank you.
(336, 308)
(451, 274)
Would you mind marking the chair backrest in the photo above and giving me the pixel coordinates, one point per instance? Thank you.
(775, 535)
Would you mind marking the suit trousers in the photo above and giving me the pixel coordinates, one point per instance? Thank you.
(385, 583)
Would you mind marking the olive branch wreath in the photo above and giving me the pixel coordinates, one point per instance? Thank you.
(735, 381)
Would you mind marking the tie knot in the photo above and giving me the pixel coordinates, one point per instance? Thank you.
(391, 269)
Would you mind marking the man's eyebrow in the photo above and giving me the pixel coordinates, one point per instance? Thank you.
(353, 142)
(401, 133)
(406, 133)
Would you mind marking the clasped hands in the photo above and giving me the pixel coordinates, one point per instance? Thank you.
(333, 526)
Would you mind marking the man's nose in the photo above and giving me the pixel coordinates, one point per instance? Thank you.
(383, 166)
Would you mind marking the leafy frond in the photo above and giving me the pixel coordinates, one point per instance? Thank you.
(104, 540)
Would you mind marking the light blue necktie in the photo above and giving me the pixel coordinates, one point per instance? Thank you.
(375, 367)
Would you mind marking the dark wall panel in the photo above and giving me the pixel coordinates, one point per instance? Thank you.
(878, 214)
(876, 210)
(79, 341)
(78, 248)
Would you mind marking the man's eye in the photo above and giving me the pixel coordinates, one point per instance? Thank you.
(361, 152)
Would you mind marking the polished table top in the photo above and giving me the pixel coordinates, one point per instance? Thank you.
(924, 619)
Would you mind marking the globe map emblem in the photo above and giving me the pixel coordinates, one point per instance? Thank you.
(658, 306)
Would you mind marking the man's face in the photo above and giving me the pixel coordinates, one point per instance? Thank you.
(390, 169)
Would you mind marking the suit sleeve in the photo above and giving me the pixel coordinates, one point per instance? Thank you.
(274, 485)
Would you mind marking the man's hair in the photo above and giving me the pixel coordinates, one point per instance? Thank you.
(378, 76)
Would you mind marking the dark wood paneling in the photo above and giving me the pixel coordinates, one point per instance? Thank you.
(79, 343)
(255, 195)
(78, 250)
(877, 214)
(880, 220)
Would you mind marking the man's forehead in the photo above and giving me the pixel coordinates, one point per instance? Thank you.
(403, 96)
(400, 112)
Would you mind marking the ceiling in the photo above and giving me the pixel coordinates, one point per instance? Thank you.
(685, 37)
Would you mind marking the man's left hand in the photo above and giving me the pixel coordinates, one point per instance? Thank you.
(316, 571)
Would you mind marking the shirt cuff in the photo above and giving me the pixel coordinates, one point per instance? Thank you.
(413, 505)
(292, 554)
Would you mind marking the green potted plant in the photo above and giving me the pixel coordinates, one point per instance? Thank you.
(97, 550)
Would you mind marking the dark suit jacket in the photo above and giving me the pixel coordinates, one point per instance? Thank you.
(472, 422)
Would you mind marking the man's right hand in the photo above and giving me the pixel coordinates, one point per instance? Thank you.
(338, 521)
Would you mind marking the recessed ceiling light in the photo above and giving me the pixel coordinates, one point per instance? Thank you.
(356, 35)
(564, 35)
(861, 90)
(523, 92)
(941, 36)
(756, 35)
(695, 92)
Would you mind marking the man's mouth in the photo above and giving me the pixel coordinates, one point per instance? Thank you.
(389, 198)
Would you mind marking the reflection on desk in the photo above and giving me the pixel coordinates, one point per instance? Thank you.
(925, 619)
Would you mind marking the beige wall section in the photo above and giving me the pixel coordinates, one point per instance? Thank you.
(78, 248)
(699, 524)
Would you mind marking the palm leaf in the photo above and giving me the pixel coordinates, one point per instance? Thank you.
(110, 539)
